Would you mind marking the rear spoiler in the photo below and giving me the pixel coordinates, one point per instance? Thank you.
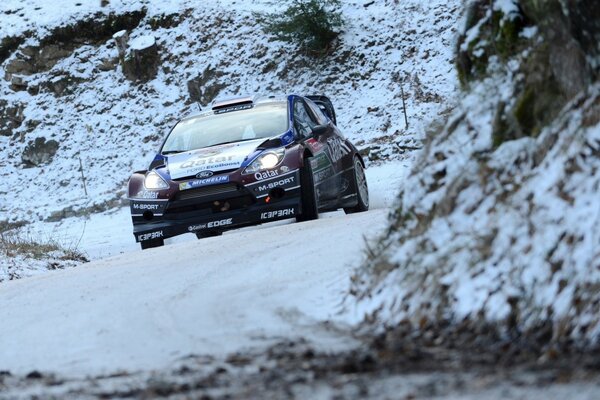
(325, 105)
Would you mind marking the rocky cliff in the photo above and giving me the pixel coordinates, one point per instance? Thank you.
(497, 229)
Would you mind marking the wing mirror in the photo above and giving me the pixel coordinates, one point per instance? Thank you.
(320, 130)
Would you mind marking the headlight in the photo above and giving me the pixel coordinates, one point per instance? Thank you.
(267, 160)
(154, 181)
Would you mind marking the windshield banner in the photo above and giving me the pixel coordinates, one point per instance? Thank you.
(216, 158)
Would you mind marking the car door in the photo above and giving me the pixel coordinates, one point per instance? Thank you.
(341, 150)
(325, 145)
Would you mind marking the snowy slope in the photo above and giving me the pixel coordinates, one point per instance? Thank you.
(499, 232)
(113, 126)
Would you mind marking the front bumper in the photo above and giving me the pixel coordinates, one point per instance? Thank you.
(253, 205)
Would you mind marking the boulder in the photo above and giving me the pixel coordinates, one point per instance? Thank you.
(62, 84)
(20, 64)
(39, 152)
(18, 83)
(108, 64)
(49, 55)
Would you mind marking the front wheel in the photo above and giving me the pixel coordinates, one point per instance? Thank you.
(148, 244)
(362, 189)
(310, 209)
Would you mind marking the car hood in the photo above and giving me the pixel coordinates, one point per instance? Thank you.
(215, 158)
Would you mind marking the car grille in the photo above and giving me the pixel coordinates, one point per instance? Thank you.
(187, 209)
(217, 190)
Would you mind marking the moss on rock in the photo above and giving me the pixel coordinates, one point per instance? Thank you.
(557, 65)
(507, 30)
(496, 34)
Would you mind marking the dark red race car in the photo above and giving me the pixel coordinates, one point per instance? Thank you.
(247, 161)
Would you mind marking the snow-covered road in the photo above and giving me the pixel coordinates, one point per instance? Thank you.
(144, 310)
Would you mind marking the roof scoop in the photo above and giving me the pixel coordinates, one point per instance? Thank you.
(234, 102)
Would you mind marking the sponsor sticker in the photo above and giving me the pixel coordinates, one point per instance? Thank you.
(202, 161)
(319, 162)
(210, 225)
(149, 236)
(320, 176)
(193, 228)
(203, 182)
(146, 194)
(273, 185)
(218, 158)
(287, 212)
(259, 176)
(287, 138)
(204, 174)
(222, 222)
(148, 207)
(315, 145)
(337, 148)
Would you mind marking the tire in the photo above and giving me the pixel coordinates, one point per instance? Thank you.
(362, 189)
(308, 196)
(202, 235)
(152, 243)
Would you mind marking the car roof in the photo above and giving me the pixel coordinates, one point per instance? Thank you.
(223, 103)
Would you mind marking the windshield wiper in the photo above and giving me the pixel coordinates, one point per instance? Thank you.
(164, 153)
(232, 141)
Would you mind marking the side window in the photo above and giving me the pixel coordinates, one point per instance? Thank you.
(316, 111)
(303, 121)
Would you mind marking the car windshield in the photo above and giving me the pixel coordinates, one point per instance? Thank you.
(260, 121)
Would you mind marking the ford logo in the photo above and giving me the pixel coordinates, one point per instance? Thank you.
(204, 174)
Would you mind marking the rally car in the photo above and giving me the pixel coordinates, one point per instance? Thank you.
(247, 161)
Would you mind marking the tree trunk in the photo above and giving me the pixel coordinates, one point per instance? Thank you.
(141, 61)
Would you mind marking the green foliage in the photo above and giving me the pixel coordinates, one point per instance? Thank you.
(311, 24)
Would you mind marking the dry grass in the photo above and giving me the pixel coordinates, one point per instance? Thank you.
(14, 243)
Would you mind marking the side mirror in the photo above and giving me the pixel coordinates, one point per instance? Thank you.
(320, 130)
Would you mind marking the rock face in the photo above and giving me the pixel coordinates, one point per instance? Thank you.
(39, 152)
(62, 84)
(141, 60)
(556, 68)
(204, 88)
(61, 42)
(11, 117)
(9, 44)
(496, 227)
(33, 59)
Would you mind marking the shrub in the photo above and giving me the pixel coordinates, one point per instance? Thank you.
(312, 24)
